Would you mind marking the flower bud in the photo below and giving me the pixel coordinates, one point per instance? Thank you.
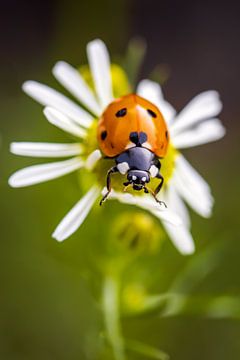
(136, 233)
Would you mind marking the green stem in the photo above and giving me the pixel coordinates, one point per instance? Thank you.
(110, 303)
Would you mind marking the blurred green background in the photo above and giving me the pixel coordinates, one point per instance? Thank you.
(49, 290)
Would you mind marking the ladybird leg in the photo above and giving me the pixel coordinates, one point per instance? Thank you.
(158, 188)
(111, 171)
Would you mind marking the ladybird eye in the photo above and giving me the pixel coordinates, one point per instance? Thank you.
(152, 113)
(121, 112)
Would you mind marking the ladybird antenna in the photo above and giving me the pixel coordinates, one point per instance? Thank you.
(126, 186)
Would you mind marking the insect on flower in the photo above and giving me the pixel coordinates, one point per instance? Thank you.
(134, 133)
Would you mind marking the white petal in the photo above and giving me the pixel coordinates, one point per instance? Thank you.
(99, 62)
(39, 173)
(63, 122)
(152, 91)
(149, 204)
(204, 106)
(93, 159)
(50, 97)
(75, 217)
(39, 149)
(71, 79)
(192, 187)
(206, 132)
(176, 204)
(181, 238)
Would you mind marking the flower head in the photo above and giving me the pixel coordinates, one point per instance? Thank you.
(95, 88)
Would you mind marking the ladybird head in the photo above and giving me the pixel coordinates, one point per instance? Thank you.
(138, 179)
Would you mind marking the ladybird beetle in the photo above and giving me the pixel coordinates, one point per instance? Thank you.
(133, 132)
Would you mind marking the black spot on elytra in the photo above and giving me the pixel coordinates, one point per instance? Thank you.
(152, 113)
(121, 112)
(138, 138)
(166, 134)
(103, 134)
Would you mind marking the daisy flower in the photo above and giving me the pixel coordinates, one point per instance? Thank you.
(95, 87)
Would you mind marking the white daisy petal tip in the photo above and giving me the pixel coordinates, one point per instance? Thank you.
(12, 147)
(97, 42)
(28, 85)
(149, 87)
(187, 248)
(11, 182)
(49, 110)
(76, 216)
(39, 149)
(181, 238)
(56, 70)
(99, 61)
(55, 236)
(207, 212)
(37, 174)
(58, 65)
